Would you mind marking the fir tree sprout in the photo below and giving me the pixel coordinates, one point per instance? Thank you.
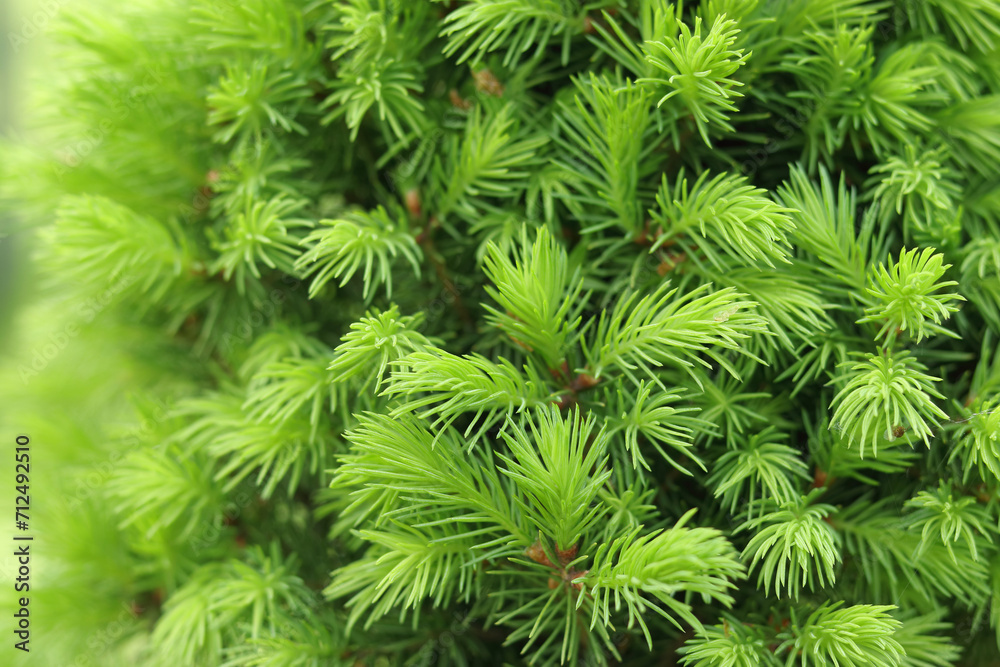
(679, 558)
(260, 234)
(516, 26)
(978, 443)
(729, 645)
(698, 70)
(758, 467)
(858, 635)
(955, 518)
(660, 424)
(537, 293)
(644, 333)
(727, 212)
(905, 296)
(794, 547)
(340, 246)
(887, 397)
(382, 336)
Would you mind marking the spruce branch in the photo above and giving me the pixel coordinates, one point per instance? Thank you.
(388, 85)
(338, 247)
(660, 564)
(761, 467)
(248, 100)
(905, 296)
(893, 561)
(558, 465)
(245, 444)
(452, 386)
(900, 87)
(793, 545)
(952, 517)
(379, 336)
(977, 445)
(855, 636)
(539, 294)
(492, 159)
(824, 218)
(420, 477)
(264, 233)
(921, 186)
(972, 22)
(658, 422)
(733, 216)
(479, 27)
(200, 616)
(609, 140)
(732, 644)
(886, 397)
(642, 334)
(166, 488)
(699, 71)
(407, 566)
(109, 242)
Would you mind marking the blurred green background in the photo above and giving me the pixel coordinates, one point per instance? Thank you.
(65, 388)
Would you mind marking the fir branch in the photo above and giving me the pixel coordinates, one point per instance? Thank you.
(905, 296)
(539, 295)
(659, 423)
(794, 546)
(248, 100)
(660, 564)
(408, 566)
(609, 139)
(725, 210)
(558, 466)
(455, 385)
(699, 71)
(952, 517)
(491, 159)
(338, 248)
(382, 336)
(516, 26)
(758, 465)
(856, 636)
(732, 644)
(888, 396)
(264, 233)
(651, 331)
(110, 242)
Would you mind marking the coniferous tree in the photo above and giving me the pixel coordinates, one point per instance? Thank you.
(410, 332)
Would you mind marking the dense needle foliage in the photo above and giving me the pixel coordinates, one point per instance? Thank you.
(501, 332)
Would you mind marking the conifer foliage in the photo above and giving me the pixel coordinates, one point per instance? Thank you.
(501, 332)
